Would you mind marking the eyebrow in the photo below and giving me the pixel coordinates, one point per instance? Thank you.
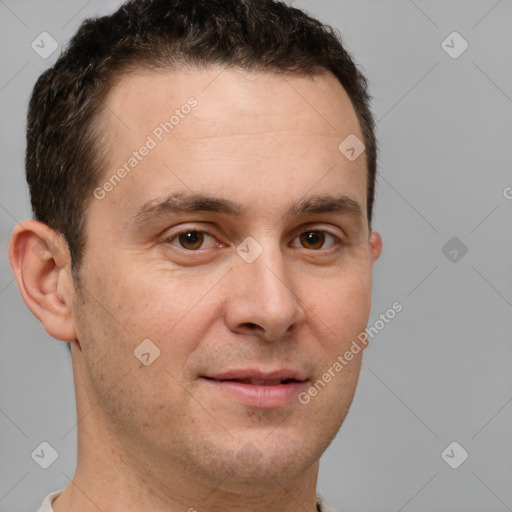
(185, 202)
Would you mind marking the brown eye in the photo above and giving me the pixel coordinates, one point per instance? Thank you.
(312, 239)
(317, 239)
(191, 239)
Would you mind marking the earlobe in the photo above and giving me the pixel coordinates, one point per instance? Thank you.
(375, 245)
(41, 264)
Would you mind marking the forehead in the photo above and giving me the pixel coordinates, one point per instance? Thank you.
(306, 104)
(232, 131)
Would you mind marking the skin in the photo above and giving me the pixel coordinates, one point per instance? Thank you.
(160, 437)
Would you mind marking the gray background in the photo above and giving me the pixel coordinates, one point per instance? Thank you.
(441, 370)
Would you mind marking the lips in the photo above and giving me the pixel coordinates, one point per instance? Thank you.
(261, 382)
(258, 382)
(264, 390)
(259, 378)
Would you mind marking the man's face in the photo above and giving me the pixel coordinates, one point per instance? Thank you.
(230, 319)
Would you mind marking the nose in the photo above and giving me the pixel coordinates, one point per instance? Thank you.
(262, 298)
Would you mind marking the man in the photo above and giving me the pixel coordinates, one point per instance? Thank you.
(202, 178)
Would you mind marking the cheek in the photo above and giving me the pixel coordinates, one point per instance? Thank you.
(130, 392)
(340, 303)
(148, 301)
(173, 310)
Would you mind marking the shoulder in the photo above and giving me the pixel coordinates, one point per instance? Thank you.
(46, 506)
(322, 505)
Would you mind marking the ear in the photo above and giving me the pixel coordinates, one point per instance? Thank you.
(41, 262)
(375, 246)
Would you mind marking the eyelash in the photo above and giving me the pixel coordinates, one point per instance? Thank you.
(337, 241)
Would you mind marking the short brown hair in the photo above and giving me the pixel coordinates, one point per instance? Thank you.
(65, 157)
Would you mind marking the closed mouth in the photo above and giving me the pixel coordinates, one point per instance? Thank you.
(258, 382)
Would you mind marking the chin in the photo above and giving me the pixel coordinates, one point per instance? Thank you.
(263, 458)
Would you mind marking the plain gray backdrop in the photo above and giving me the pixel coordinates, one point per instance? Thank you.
(440, 371)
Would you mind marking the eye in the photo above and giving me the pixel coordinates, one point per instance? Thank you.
(190, 239)
(315, 239)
